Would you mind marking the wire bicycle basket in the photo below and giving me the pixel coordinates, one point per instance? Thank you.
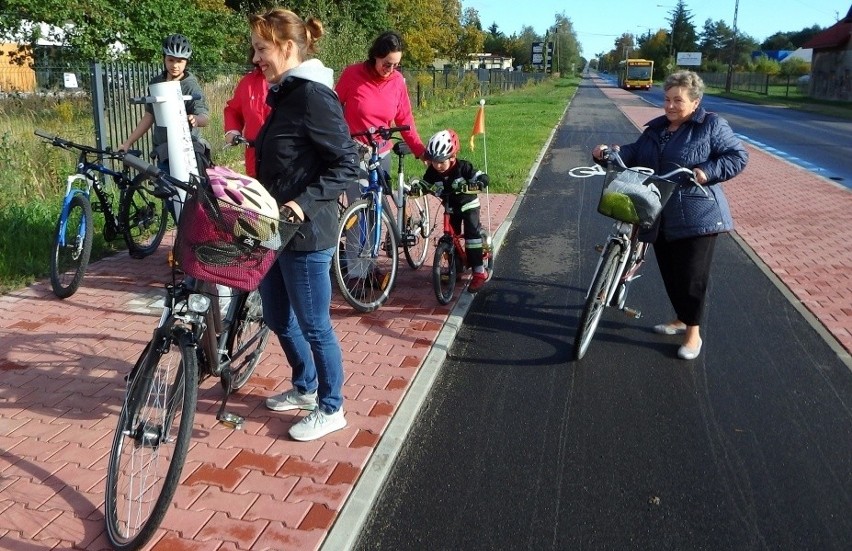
(220, 242)
(634, 197)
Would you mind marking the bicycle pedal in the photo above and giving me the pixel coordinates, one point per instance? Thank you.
(632, 312)
(231, 420)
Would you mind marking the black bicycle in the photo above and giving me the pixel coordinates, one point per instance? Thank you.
(135, 213)
(194, 340)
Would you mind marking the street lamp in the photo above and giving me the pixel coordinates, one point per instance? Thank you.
(671, 41)
(730, 75)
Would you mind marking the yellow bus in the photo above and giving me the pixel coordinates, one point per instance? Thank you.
(636, 73)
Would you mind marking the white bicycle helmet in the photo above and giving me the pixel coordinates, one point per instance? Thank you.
(177, 45)
(442, 145)
(249, 195)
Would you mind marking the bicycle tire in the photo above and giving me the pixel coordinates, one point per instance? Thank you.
(142, 217)
(415, 230)
(444, 272)
(596, 301)
(247, 338)
(68, 262)
(368, 282)
(167, 374)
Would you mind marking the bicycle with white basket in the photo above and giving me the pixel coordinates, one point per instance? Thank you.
(634, 197)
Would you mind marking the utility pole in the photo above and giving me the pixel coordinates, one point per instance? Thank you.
(733, 58)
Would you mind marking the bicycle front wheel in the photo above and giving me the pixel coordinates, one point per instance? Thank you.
(596, 301)
(72, 247)
(444, 272)
(416, 230)
(151, 441)
(247, 339)
(142, 217)
(365, 273)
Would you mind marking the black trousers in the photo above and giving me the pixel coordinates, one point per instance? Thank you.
(685, 268)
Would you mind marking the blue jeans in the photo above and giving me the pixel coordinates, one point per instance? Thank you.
(296, 297)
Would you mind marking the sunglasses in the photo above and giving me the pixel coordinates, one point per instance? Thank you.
(388, 65)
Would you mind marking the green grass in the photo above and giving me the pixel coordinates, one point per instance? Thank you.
(32, 182)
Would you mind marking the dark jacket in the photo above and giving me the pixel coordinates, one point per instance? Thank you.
(706, 142)
(446, 185)
(304, 152)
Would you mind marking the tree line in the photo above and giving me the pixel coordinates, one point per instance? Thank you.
(122, 30)
(718, 43)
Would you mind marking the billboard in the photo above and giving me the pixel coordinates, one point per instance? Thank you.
(687, 59)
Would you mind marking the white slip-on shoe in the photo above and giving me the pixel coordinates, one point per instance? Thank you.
(687, 353)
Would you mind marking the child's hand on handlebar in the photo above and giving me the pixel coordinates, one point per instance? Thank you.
(699, 176)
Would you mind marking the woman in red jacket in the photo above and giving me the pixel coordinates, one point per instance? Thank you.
(245, 113)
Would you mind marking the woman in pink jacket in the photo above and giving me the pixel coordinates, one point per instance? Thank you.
(374, 94)
(245, 112)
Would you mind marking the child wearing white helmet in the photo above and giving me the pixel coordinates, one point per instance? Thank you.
(447, 176)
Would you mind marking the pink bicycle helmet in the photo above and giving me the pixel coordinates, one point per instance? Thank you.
(442, 145)
(248, 194)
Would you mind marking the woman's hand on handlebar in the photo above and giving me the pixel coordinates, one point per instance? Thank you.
(699, 176)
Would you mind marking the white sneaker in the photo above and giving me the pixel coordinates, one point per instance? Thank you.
(317, 424)
(292, 399)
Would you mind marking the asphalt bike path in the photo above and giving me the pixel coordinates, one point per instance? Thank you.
(746, 447)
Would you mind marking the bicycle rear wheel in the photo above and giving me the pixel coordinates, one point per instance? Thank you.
(365, 278)
(72, 247)
(247, 338)
(151, 440)
(444, 272)
(416, 230)
(142, 217)
(596, 301)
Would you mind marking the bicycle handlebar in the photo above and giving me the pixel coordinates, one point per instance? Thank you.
(67, 144)
(139, 100)
(161, 178)
(610, 155)
(382, 131)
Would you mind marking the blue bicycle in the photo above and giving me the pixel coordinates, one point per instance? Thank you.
(369, 235)
(135, 213)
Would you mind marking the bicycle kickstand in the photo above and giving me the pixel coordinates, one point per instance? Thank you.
(227, 418)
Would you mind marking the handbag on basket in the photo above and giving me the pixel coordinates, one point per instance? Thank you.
(629, 197)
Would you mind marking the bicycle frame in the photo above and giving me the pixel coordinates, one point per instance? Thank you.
(378, 189)
(625, 236)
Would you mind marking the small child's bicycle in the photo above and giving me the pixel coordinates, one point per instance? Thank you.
(135, 213)
(450, 259)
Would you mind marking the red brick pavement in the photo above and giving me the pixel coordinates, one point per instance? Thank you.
(62, 364)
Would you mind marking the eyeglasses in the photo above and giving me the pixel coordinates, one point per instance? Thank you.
(388, 65)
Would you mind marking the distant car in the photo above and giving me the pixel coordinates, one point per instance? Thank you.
(605, 72)
(804, 79)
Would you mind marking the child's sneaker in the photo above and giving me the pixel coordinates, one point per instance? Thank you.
(478, 281)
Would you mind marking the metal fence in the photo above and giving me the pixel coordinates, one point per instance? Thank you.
(753, 82)
(111, 87)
